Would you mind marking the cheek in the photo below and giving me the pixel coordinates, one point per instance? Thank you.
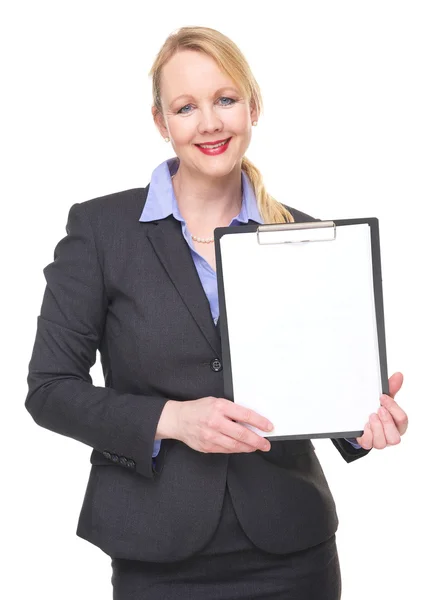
(182, 132)
(240, 126)
(238, 122)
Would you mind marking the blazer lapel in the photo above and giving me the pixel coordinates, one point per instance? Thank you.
(175, 255)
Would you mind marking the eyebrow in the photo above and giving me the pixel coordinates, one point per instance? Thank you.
(183, 96)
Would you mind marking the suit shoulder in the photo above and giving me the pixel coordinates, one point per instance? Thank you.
(116, 206)
(299, 216)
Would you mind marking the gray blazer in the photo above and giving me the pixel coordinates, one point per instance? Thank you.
(131, 290)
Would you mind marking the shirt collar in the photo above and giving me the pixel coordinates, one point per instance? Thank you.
(161, 201)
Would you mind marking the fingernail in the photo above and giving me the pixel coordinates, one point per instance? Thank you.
(269, 426)
(383, 412)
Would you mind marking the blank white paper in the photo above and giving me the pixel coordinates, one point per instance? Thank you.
(302, 331)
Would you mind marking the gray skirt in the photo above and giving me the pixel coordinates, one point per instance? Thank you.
(230, 567)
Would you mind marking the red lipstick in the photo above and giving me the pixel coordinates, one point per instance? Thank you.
(210, 151)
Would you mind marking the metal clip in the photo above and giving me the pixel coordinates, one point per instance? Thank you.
(289, 233)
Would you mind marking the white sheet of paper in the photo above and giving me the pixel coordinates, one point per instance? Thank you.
(302, 331)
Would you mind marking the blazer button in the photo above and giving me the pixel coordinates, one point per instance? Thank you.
(107, 455)
(123, 461)
(131, 464)
(215, 365)
(115, 458)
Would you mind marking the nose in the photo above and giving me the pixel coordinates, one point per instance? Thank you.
(210, 121)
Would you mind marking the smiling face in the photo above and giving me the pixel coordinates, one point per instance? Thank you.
(202, 105)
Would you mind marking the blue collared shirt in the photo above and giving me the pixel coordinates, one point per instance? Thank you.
(161, 202)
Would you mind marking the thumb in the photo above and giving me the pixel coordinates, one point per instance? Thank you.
(395, 383)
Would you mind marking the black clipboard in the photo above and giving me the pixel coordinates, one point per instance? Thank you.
(302, 233)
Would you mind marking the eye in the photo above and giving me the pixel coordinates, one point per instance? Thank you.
(182, 111)
(230, 101)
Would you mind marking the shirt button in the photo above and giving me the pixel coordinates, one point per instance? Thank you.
(216, 365)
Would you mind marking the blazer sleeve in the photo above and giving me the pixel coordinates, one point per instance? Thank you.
(347, 451)
(61, 396)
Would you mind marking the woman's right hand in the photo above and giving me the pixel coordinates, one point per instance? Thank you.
(208, 425)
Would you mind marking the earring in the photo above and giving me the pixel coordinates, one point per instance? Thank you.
(255, 123)
(167, 139)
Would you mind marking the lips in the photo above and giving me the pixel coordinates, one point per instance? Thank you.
(214, 148)
(211, 144)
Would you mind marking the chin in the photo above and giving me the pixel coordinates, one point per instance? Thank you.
(221, 171)
(220, 166)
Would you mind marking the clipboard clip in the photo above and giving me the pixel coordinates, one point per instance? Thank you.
(290, 233)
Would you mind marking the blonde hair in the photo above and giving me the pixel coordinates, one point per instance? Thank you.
(232, 62)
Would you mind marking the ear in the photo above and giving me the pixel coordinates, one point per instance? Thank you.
(254, 114)
(159, 122)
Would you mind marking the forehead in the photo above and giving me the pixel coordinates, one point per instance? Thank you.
(194, 73)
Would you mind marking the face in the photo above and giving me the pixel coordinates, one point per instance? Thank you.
(202, 105)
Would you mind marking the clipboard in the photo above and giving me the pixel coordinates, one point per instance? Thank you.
(302, 324)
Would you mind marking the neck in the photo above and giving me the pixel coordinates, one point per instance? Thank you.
(207, 202)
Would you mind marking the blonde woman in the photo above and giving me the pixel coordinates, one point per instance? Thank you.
(187, 502)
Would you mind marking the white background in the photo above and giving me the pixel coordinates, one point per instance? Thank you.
(351, 128)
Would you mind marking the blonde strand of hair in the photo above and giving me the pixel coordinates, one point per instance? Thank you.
(270, 209)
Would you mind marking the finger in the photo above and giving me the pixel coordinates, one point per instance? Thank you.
(246, 415)
(217, 449)
(232, 445)
(399, 416)
(244, 435)
(395, 383)
(366, 439)
(391, 432)
(377, 428)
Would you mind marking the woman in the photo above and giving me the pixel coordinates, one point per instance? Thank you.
(187, 502)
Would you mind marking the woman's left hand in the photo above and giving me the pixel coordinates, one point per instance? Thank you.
(386, 427)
